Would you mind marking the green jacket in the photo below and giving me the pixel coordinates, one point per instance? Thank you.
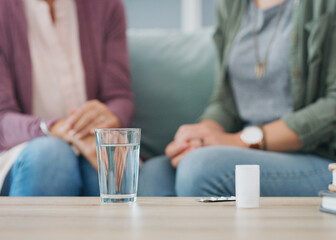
(313, 73)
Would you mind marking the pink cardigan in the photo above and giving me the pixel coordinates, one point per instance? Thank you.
(102, 29)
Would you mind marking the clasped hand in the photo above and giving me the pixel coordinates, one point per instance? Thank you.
(78, 128)
(193, 136)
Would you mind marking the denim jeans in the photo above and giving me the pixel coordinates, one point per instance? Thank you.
(49, 167)
(210, 171)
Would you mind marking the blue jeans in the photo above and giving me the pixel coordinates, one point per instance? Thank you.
(210, 171)
(49, 167)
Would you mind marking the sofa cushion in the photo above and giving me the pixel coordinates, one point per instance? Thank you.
(172, 78)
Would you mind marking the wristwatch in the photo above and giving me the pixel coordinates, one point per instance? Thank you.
(253, 137)
(44, 128)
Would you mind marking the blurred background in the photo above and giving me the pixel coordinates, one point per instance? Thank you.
(187, 15)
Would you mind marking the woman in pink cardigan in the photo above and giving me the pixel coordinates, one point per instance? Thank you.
(64, 71)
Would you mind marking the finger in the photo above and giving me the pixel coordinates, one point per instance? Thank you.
(110, 123)
(87, 130)
(66, 125)
(79, 113)
(197, 143)
(58, 129)
(176, 160)
(72, 111)
(86, 120)
(189, 132)
(193, 134)
(72, 119)
(175, 148)
(83, 133)
(94, 124)
(181, 130)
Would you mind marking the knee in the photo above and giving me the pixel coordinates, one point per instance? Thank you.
(190, 175)
(157, 178)
(46, 167)
(155, 167)
(207, 171)
(47, 153)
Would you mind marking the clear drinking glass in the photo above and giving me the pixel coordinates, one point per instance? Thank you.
(118, 163)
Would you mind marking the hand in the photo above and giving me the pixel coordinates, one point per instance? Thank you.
(199, 131)
(93, 114)
(176, 151)
(209, 133)
(193, 136)
(87, 147)
(59, 129)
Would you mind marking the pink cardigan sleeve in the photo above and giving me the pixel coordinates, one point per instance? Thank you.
(116, 90)
(15, 127)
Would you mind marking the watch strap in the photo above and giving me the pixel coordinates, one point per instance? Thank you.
(264, 145)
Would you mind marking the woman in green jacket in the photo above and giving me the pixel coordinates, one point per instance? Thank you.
(274, 105)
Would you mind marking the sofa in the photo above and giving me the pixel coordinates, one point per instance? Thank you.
(173, 77)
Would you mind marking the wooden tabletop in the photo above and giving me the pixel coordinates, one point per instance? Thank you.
(162, 218)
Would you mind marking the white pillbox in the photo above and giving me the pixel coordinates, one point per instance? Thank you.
(247, 186)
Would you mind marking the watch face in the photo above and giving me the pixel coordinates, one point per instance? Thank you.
(252, 135)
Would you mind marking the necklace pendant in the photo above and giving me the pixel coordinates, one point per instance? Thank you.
(260, 69)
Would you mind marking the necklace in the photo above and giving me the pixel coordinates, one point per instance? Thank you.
(261, 66)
